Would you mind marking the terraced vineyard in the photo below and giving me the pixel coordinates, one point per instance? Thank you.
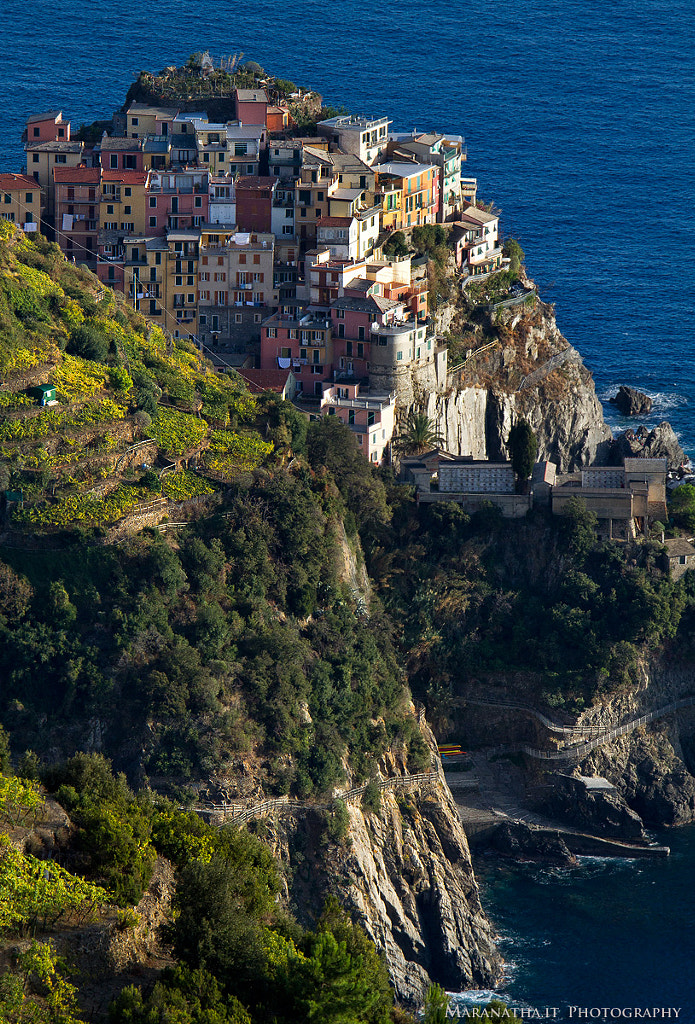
(128, 401)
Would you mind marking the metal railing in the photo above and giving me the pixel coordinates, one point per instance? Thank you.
(578, 752)
(240, 814)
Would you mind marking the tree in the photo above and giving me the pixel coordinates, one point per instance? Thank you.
(436, 1005)
(523, 447)
(419, 435)
(682, 506)
(396, 245)
(515, 254)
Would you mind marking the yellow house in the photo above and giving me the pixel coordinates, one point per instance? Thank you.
(181, 285)
(43, 157)
(20, 201)
(123, 207)
(143, 119)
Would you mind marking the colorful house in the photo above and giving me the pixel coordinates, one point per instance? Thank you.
(20, 201)
(254, 203)
(77, 199)
(419, 184)
(251, 106)
(365, 137)
(296, 339)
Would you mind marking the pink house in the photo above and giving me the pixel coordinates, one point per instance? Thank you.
(177, 200)
(251, 106)
(294, 339)
(48, 127)
(353, 316)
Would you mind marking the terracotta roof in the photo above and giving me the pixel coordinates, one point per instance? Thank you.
(115, 142)
(265, 380)
(255, 181)
(334, 222)
(17, 183)
(129, 177)
(77, 175)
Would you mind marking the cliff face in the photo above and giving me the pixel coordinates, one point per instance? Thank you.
(525, 368)
(405, 874)
(652, 768)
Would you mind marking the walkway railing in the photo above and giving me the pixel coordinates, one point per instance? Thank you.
(565, 730)
(580, 751)
(240, 815)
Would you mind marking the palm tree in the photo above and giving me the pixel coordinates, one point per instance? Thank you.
(419, 435)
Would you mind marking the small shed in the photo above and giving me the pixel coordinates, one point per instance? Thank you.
(43, 393)
(680, 556)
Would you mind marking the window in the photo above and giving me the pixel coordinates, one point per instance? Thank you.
(341, 330)
(109, 209)
(399, 356)
(215, 322)
(127, 191)
(198, 202)
(272, 332)
(61, 133)
(289, 213)
(360, 350)
(8, 197)
(238, 317)
(256, 259)
(206, 158)
(348, 347)
(190, 299)
(319, 197)
(257, 318)
(37, 132)
(249, 168)
(203, 318)
(127, 209)
(35, 158)
(134, 121)
(220, 260)
(158, 258)
(61, 158)
(113, 162)
(360, 333)
(179, 282)
(29, 197)
(153, 222)
(240, 148)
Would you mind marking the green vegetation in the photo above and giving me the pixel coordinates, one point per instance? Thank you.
(523, 447)
(681, 506)
(419, 435)
(117, 379)
(516, 255)
(542, 598)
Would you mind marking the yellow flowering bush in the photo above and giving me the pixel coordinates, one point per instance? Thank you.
(176, 432)
(183, 485)
(39, 893)
(77, 378)
(230, 452)
(82, 508)
(52, 421)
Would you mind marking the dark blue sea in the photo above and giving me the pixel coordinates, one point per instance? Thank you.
(579, 118)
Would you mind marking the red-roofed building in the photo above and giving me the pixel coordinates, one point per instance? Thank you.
(77, 197)
(122, 213)
(120, 154)
(281, 382)
(20, 201)
(254, 202)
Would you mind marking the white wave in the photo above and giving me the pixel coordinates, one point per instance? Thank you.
(663, 400)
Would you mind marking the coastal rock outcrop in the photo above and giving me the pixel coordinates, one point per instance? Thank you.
(659, 443)
(631, 402)
(528, 370)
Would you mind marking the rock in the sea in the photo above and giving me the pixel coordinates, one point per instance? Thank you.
(659, 443)
(631, 402)
(516, 840)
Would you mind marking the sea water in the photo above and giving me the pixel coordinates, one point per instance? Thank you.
(578, 119)
(611, 932)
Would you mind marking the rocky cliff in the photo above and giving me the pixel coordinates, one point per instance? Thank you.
(405, 873)
(652, 768)
(521, 366)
